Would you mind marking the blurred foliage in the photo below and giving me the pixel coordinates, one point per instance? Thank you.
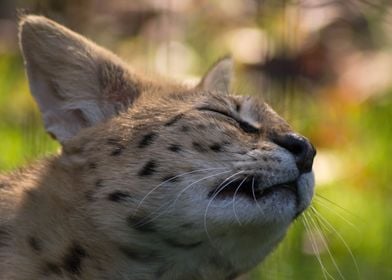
(325, 65)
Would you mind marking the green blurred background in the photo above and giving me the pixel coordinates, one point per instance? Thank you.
(324, 65)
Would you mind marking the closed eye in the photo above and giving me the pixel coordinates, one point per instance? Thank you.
(246, 127)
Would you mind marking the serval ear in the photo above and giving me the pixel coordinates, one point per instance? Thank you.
(76, 83)
(219, 77)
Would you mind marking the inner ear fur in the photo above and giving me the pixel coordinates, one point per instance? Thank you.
(76, 83)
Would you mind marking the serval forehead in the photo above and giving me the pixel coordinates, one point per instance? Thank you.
(157, 109)
(187, 99)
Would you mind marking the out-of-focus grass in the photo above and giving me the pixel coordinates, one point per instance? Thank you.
(21, 131)
(362, 188)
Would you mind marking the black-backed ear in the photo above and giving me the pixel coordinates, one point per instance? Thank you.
(76, 83)
(219, 77)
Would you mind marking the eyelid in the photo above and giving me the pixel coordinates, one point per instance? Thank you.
(246, 127)
(218, 112)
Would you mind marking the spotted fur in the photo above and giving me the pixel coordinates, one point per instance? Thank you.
(155, 180)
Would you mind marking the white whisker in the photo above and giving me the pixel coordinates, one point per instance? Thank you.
(323, 240)
(323, 204)
(312, 239)
(175, 177)
(327, 225)
(213, 197)
(235, 193)
(197, 181)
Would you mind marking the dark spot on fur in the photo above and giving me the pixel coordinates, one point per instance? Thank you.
(137, 255)
(3, 185)
(184, 128)
(180, 245)
(174, 120)
(51, 268)
(118, 196)
(198, 147)
(73, 259)
(266, 159)
(175, 148)
(117, 151)
(200, 126)
(216, 147)
(118, 147)
(34, 244)
(147, 139)
(99, 183)
(148, 169)
(170, 179)
(141, 224)
(92, 165)
(237, 107)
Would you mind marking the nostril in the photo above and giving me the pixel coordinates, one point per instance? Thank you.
(300, 147)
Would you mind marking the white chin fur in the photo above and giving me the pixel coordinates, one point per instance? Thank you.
(305, 190)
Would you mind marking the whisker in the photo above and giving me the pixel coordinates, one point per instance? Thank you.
(218, 189)
(323, 204)
(319, 197)
(213, 197)
(327, 224)
(235, 193)
(254, 195)
(148, 219)
(197, 181)
(312, 240)
(323, 240)
(175, 177)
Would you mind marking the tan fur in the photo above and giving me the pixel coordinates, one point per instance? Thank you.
(103, 208)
